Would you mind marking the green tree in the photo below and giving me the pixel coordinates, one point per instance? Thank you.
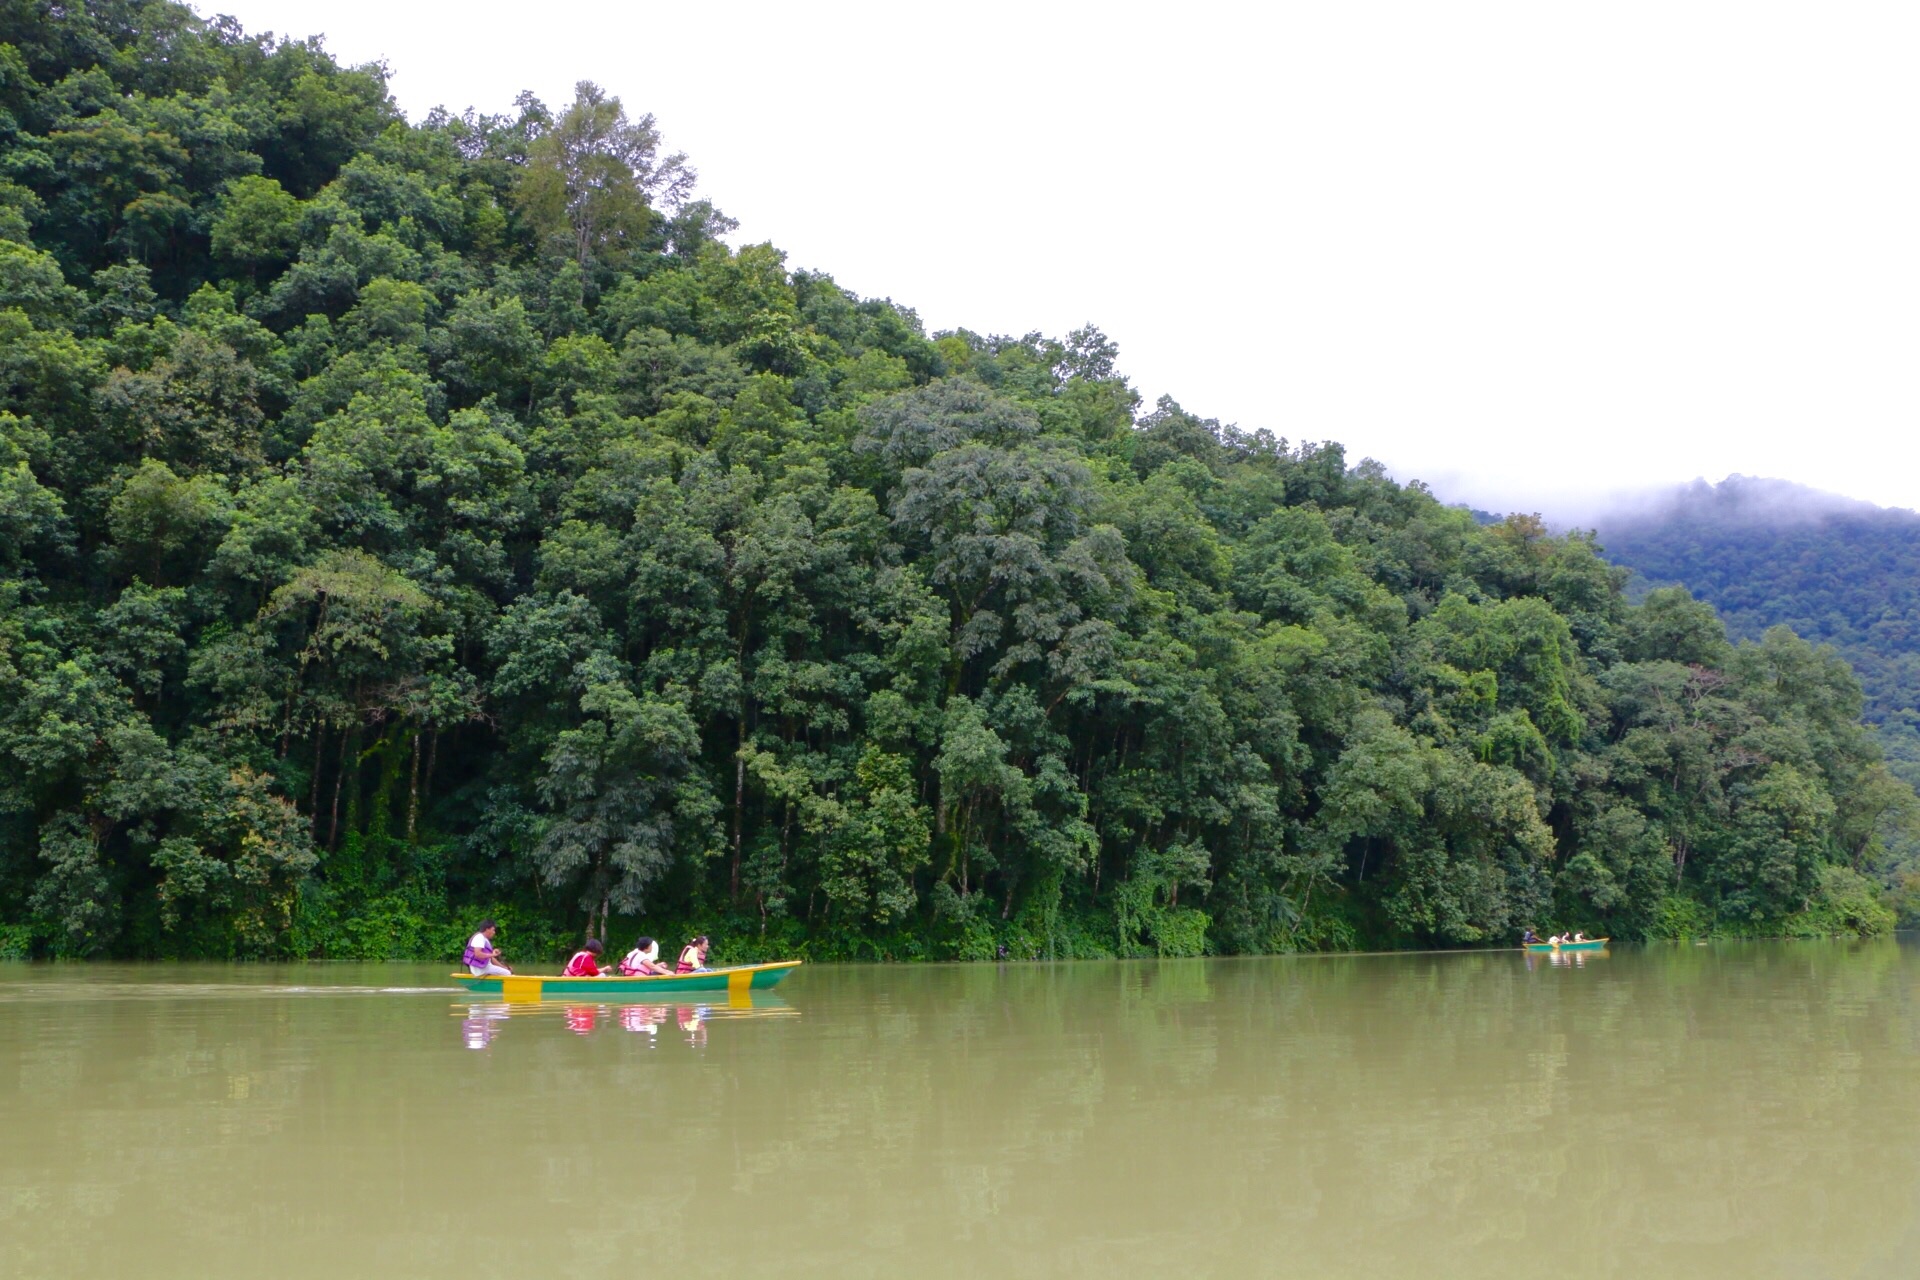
(595, 179)
(256, 225)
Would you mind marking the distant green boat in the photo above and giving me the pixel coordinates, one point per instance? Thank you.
(1585, 944)
(735, 981)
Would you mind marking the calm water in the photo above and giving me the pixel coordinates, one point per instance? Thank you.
(1695, 1111)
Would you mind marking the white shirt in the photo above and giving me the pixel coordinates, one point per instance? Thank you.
(480, 943)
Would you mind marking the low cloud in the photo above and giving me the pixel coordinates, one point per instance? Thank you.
(1737, 499)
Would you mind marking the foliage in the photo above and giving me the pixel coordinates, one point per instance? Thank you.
(1765, 553)
(1680, 918)
(403, 523)
(1847, 904)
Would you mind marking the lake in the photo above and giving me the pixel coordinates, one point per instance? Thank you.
(1742, 1110)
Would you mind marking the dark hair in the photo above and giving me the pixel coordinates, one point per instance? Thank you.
(593, 945)
(643, 944)
(699, 941)
(486, 925)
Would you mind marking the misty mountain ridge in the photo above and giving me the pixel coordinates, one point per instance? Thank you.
(1742, 500)
(1768, 552)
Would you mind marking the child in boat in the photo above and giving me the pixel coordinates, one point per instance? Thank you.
(585, 962)
(693, 956)
(644, 960)
(480, 956)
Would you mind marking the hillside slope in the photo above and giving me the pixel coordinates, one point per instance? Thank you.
(404, 522)
(1767, 553)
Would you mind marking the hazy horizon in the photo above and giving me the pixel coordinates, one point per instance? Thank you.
(1535, 257)
(1569, 509)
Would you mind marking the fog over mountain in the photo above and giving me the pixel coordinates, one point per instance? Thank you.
(1746, 500)
(1737, 497)
(1770, 552)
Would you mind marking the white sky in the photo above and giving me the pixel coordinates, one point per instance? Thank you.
(1532, 252)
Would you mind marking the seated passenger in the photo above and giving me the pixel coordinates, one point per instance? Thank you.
(1528, 938)
(585, 962)
(693, 956)
(480, 956)
(1579, 936)
(644, 960)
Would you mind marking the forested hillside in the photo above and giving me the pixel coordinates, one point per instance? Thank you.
(1767, 553)
(399, 522)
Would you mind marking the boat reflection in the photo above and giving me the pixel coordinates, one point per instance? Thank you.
(482, 1023)
(1564, 959)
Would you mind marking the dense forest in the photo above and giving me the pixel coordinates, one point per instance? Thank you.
(400, 522)
(1767, 553)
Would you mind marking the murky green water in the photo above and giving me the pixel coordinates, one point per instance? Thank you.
(1725, 1111)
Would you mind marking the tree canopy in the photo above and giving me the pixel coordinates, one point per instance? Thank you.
(400, 522)
(1767, 553)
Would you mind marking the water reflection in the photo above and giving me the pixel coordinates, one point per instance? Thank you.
(481, 1022)
(1739, 1111)
(1563, 959)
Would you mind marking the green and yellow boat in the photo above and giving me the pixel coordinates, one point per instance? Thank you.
(1585, 944)
(735, 980)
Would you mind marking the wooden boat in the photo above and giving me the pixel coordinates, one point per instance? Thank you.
(1585, 944)
(736, 980)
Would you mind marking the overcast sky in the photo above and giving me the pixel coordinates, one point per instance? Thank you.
(1533, 253)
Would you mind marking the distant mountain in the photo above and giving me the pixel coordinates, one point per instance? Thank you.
(1767, 552)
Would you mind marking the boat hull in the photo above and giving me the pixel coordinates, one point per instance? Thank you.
(737, 980)
(1589, 944)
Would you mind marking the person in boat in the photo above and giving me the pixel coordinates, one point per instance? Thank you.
(481, 957)
(693, 956)
(1529, 938)
(585, 962)
(644, 960)
(1579, 935)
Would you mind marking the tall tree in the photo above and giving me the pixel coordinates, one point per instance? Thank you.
(596, 184)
